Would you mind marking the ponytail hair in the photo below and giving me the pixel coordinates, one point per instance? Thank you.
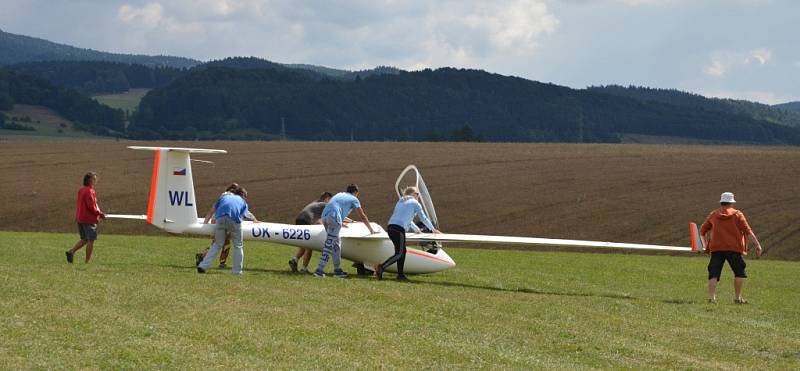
(241, 192)
(410, 191)
(232, 187)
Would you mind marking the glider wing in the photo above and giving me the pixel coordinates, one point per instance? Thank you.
(531, 241)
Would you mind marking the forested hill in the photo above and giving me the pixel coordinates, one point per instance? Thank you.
(86, 113)
(94, 77)
(98, 77)
(791, 106)
(312, 71)
(445, 104)
(755, 110)
(19, 48)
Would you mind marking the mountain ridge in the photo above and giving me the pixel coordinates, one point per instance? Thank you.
(16, 48)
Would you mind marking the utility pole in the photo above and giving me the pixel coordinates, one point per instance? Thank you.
(283, 129)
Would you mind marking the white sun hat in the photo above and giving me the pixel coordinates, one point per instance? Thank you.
(727, 197)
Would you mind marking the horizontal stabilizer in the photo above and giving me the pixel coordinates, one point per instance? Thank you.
(179, 149)
(533, 241)
(123, 216)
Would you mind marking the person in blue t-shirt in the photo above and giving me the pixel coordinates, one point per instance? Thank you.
(335, 212)
(403, 217)
(229, 210)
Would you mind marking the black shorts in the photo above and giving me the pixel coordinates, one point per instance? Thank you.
(301, 222)
(88, 232)
(735, 260)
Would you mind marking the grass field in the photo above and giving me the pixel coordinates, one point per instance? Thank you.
(140, 304)
(623, 193)
(128, 101)
(48, 124)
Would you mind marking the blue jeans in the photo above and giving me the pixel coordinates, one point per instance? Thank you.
(224, 226)
(333, 246)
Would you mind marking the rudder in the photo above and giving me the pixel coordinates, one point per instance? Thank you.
(171, 204)
(694, 235)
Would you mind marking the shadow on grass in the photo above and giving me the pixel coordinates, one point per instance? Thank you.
(193, 269)
(526, 290)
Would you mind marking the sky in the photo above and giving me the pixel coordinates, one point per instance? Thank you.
(743, 49)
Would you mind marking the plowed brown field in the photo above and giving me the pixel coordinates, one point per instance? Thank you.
(623, 193)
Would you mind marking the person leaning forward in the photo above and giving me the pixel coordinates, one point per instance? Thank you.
(226, 247)
(334, 214)
(311, 214)
(724, 233)
(401, 220)
(229, 210)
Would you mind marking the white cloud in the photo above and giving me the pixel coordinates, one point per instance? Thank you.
(716, 69)
(149, 15)
(762, 56)
(519, 25)
(723, 62)
(645, 2)
(348, 33)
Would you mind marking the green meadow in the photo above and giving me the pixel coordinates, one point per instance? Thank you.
(140, 304)
(127, 101)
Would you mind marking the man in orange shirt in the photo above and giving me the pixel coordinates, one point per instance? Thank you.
(87, 214)
(727, 229)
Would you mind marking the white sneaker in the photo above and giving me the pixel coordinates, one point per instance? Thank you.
(303, 270)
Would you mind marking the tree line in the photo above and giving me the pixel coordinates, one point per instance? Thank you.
(255, 99)
(86, 113)
(93, 77)
(779, 114)
(267, 103)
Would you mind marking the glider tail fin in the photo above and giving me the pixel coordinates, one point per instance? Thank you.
(171, 205)
(694, 233)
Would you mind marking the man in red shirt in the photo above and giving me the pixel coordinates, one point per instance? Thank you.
(87, 214)
(727, 229)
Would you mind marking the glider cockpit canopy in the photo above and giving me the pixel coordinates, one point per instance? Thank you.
(415, 179)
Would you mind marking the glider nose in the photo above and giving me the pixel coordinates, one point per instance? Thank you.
(446, 260)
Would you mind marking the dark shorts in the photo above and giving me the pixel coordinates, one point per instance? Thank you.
(88, 232)
(302, 222)
(734, 259)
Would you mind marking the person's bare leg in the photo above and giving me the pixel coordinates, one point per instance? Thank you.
(306, 257)
(89, 248)
(300, 252)
(77, 246)
(738, 283)
(712, 289)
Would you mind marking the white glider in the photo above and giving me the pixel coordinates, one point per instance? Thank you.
(172, 207)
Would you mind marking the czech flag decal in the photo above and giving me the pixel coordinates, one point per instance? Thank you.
(179, 171)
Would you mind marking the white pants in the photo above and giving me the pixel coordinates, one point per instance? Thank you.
(224, 226)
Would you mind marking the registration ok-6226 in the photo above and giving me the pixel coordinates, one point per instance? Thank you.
(296, 234)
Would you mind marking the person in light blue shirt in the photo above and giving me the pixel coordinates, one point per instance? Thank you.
(229, 210)
(404, 212)
(336, 212)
